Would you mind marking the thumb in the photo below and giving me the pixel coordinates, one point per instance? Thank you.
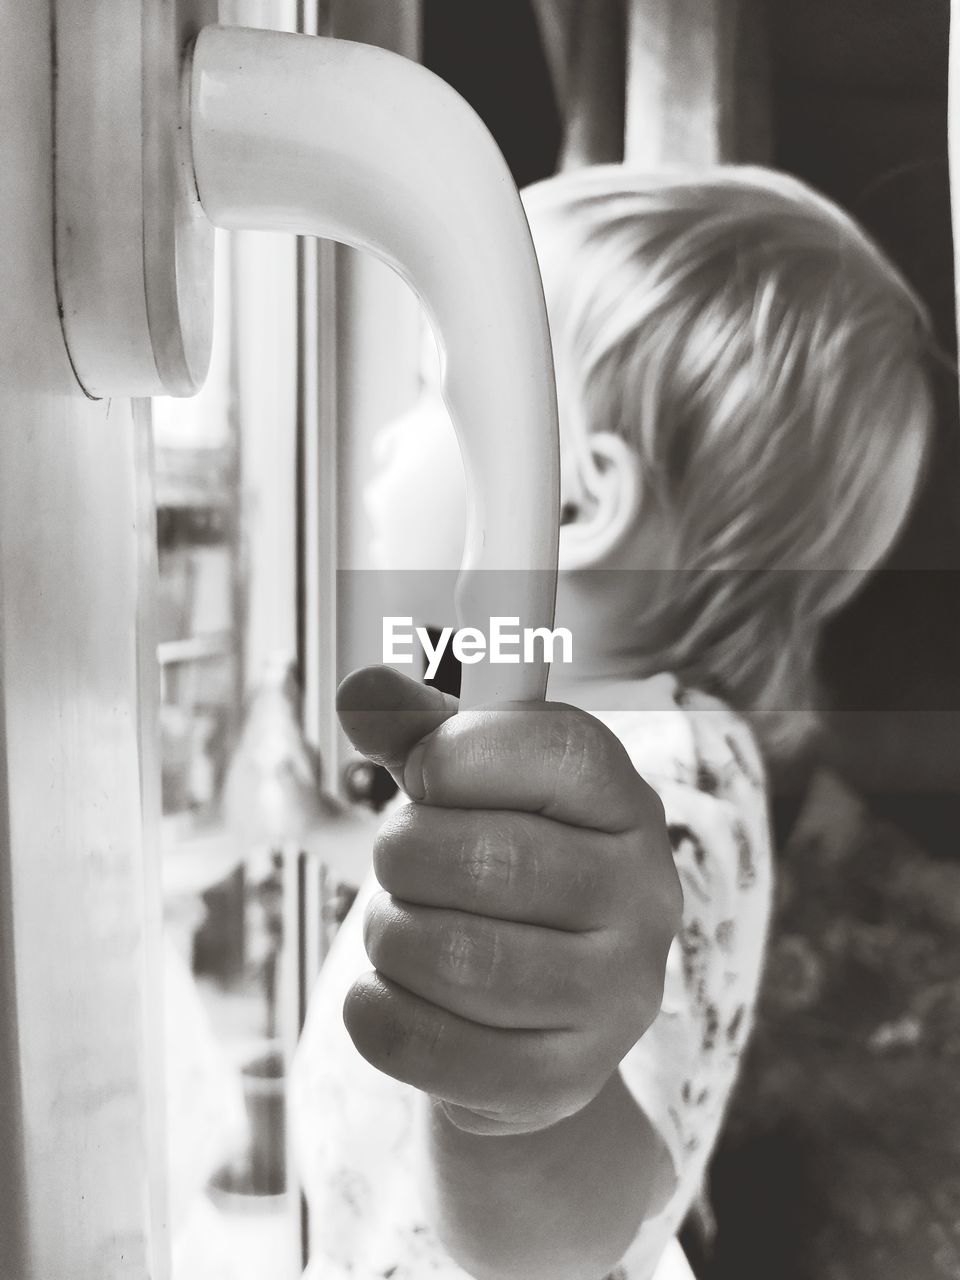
(385, 714)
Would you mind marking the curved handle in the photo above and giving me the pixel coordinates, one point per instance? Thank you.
(328, 138)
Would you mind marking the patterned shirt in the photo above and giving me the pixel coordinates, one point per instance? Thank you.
(354, 1127)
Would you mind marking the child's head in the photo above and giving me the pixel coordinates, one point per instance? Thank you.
(744, 417)
(743, 401)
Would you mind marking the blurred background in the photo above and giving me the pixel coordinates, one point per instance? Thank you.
(841, 1155)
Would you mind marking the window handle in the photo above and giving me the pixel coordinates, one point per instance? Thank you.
(260, 130)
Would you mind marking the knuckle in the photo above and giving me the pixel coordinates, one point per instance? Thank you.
(486, 865)
(470, 956)
(490, 863)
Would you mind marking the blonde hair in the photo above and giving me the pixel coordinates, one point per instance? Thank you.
(766, 363)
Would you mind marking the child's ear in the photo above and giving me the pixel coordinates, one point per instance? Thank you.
(607, 504)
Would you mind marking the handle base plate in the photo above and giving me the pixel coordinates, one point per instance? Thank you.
(134, 251)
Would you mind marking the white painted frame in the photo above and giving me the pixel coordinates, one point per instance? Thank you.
(81, 1119)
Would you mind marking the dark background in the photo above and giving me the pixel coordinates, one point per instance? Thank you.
(859, 107)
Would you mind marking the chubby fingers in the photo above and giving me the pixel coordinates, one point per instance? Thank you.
(512, 866)
(506, 1074)
(546, 758)
(501, 973)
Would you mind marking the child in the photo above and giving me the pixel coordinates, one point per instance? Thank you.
(744, 415)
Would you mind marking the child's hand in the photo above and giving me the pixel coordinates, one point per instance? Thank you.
(531, 898)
